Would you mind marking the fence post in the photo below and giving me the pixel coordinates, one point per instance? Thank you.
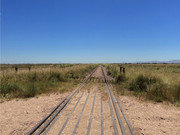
(124, 70)
(16, 69)
(120, 69)
(29, 68)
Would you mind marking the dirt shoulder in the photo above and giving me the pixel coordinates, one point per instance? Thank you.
(151, 118)
(146, 118)
(19, 116)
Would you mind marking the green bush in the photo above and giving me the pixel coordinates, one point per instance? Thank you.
(72, 75)
(108, 73)
(157, 92)
(155, 88)
(55, 76)
(30, 91)
(121, 78)
(9, 88)
(142, 82)
(139, 84)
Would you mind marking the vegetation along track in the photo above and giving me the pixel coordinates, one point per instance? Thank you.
(85, 113)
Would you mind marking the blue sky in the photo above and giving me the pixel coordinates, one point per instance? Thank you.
(83, 31)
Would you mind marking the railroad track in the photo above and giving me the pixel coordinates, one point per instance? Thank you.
(111, 100)
(79, 101)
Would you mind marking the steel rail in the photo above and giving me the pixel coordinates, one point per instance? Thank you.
(64, 125)
(74, 132)
(52, 118)
(102, 131)
(46, 117)
(58, 116)
(130, 128)
(47, 130)
(90, 118)
(115, 107)
(112, 114)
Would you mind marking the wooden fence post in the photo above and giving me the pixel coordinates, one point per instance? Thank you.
(124, 70)
(29, 68)
(120, 69)
(16, 69)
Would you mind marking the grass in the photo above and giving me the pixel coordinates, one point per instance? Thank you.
(30, 84)
(158, 82)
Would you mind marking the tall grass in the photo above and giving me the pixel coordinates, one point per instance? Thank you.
(155, 88)
(158, 82)
(29, 84)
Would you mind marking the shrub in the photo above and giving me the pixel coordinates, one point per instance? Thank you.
(30, 91)
(121, 78)
(55, 76)
(155, 88)
(8, 88)
(114, 73)
(157, 92)
(72, 75)
(108, 73)
(139, 84)
(142, 82)
(32, 77)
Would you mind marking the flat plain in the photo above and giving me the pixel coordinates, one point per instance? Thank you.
(20, 114)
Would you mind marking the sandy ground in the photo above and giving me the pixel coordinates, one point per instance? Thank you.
(146, 118)
(83, 124)
(98, 74)
(19, 116)
(149, 118)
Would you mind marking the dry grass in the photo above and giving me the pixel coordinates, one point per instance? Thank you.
(156, 82)
(48, 79)
(7, 69)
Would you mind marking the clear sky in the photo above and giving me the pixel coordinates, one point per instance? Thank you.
(54, 31)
